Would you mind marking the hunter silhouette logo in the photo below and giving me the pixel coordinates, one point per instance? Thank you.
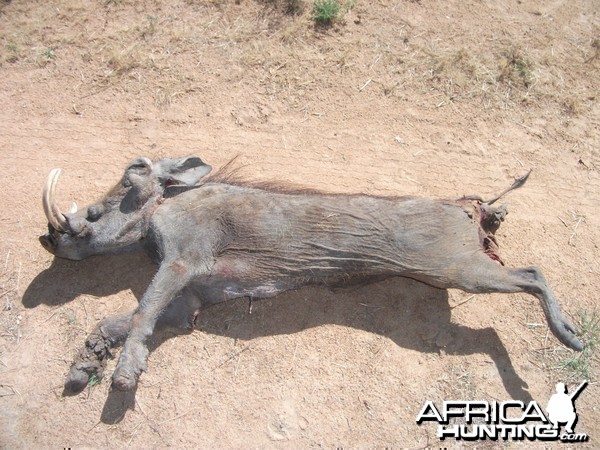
(561, 406)
(509, 420)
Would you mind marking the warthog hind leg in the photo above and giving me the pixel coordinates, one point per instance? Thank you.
(483, 275)
(90, 360)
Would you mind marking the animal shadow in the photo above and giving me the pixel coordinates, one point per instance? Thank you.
(99, 276)
(412, 314)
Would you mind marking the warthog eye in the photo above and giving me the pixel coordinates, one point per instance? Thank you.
(140, 166)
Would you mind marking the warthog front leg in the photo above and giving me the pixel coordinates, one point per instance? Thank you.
(170, 279)
(112, 331)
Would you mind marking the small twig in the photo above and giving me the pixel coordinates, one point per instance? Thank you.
(366, 84)
(543, 350)
(14, 391)
(141, 409)
(370, 306)
(86, 314)
(376, 61)
(536, 365)
(179, 416)
(97, 91)
(463, 302)
(19, 276)
(97, 423)
(575, 230)
(564, 223)
(7, 292)
(155, 384)
(150, 422)
(239, 352)
(134, 432)
(51, 316)
(293, 358)
(366, 405)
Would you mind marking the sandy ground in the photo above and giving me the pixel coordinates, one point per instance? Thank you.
(436, 99)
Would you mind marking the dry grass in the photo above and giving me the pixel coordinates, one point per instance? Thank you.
(595, 52)
(466, 75)
(516, 70)
(570, 365)
(573, 106)
(458, 381)
(122, 61)
(278, 38)
(10, 309)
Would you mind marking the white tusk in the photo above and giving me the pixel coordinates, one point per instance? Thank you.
(73, 209)
(53, 214)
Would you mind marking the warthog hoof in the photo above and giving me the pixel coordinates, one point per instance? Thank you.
(123, 379)
(90, 361)
(566, 333)
(131, 364)
(80, 374)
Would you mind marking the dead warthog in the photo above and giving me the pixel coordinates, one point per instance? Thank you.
(225, 238)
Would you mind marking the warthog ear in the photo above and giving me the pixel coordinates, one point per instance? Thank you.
(186, 171)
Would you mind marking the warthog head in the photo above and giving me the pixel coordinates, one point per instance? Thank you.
(118, 222)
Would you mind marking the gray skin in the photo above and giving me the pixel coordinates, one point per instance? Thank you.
(225, 239)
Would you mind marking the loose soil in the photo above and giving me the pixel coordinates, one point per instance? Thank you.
(436, 99)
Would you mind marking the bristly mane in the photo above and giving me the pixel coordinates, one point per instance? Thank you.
(230, 174)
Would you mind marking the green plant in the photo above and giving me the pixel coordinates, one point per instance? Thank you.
(49, 54)
(150, 28)
(70, 317)
(579, 364)
(13, 53)
(94, 380)
(325, 11)
(517, 69)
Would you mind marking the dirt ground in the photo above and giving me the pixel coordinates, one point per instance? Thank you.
(436, 99)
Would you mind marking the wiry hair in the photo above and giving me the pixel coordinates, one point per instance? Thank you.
(230, 173)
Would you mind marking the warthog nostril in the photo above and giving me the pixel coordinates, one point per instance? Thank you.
(48, 242)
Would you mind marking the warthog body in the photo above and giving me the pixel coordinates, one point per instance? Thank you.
(224, 239)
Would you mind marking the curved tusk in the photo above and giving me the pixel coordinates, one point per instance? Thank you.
(73, 209)
(53, 214)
